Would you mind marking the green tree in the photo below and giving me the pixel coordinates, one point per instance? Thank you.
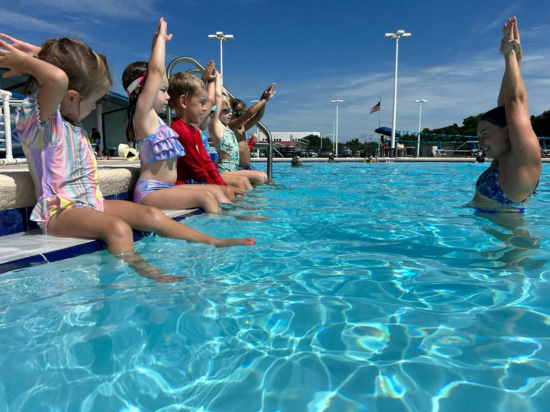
(541, 124)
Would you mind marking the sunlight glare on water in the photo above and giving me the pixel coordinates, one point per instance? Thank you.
(373, 287)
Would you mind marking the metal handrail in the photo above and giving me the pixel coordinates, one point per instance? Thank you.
(200, 69)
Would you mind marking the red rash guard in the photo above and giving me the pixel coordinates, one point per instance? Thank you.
(196, 164)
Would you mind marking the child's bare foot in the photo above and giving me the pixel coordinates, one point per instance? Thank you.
(247, 241)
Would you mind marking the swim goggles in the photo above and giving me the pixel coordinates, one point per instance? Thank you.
(238, 114)
(226, 110)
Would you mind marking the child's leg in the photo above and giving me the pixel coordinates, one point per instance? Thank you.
(216, 190)
(84, 223)
(151, 219)
(255, 177)
(241, 182)
(181, 197)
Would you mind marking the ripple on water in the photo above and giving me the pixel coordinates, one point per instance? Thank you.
(371, 287)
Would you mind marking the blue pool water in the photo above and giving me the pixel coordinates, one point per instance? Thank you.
(373, 287)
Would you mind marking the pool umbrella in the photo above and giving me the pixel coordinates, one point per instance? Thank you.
(386, 131)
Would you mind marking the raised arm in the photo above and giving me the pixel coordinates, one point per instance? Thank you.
(523, 166)
(155, 72)
(52, 80)
(215, 128)
(267, 95)
(208, 77)
(519, 56)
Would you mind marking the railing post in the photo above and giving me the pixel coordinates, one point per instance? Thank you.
(7, 123)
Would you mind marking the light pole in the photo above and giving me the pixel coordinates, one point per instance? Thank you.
(419, 125)
(333, 136)
(336, 101)
(221, 37)
(395, 36)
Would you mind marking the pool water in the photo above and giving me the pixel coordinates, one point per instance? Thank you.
(373, 287)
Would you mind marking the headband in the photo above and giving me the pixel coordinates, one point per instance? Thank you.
(134, 84)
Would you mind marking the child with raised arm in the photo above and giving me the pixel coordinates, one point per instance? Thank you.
(146, 85)
(186, 93)
(506, 136)
(209, 76)
(72, 77)
(244, 119)
(226, 143)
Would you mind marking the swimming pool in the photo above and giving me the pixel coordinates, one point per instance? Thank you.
(373, 287)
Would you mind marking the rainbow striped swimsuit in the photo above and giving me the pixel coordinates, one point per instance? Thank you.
(61, 162)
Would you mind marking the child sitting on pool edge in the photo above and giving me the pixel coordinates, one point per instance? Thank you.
(196, 166)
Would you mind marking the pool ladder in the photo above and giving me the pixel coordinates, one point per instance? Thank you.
(200, 69)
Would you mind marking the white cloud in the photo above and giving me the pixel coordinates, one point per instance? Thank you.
(454, 92)
(18, 20)
(121, 9)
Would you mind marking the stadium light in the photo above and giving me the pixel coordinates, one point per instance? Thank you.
(221, 37)
(395, 36)
(419, 125)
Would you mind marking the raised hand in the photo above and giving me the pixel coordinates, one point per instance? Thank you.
(254, 137)
(268, 93)
(25, 47)
(13, 59)
(210, 72)
(507, 42)
(161, 32)
(517, 43)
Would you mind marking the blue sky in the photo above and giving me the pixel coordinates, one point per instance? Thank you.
(317, 51)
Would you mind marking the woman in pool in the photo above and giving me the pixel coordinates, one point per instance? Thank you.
(506, 136)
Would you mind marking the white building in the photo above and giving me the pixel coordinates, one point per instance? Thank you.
(285, 138)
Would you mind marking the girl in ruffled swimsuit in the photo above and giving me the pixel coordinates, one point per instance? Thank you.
(146, 85)
(506, 136)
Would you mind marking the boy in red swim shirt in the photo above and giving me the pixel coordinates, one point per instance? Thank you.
(187, 98)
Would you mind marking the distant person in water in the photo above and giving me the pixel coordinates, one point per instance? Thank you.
(296, 161)
(506, 135)
(480, 158)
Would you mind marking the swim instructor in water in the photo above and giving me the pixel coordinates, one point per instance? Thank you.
(506, 136)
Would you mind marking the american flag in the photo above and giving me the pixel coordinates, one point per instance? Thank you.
(375, 108)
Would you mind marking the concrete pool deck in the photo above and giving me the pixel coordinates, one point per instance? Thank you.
(22, 243)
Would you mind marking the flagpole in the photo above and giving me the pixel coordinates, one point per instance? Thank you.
(379, 115)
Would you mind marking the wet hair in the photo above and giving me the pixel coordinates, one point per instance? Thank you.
(496, 116)
(132, 72)
(87, 71)
(183, 84)
(237, 102)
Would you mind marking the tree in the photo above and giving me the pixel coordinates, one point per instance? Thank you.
(541, 124)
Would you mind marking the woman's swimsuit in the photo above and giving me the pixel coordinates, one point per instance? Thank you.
(230, 146)
(163, 144)
(487, 185)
